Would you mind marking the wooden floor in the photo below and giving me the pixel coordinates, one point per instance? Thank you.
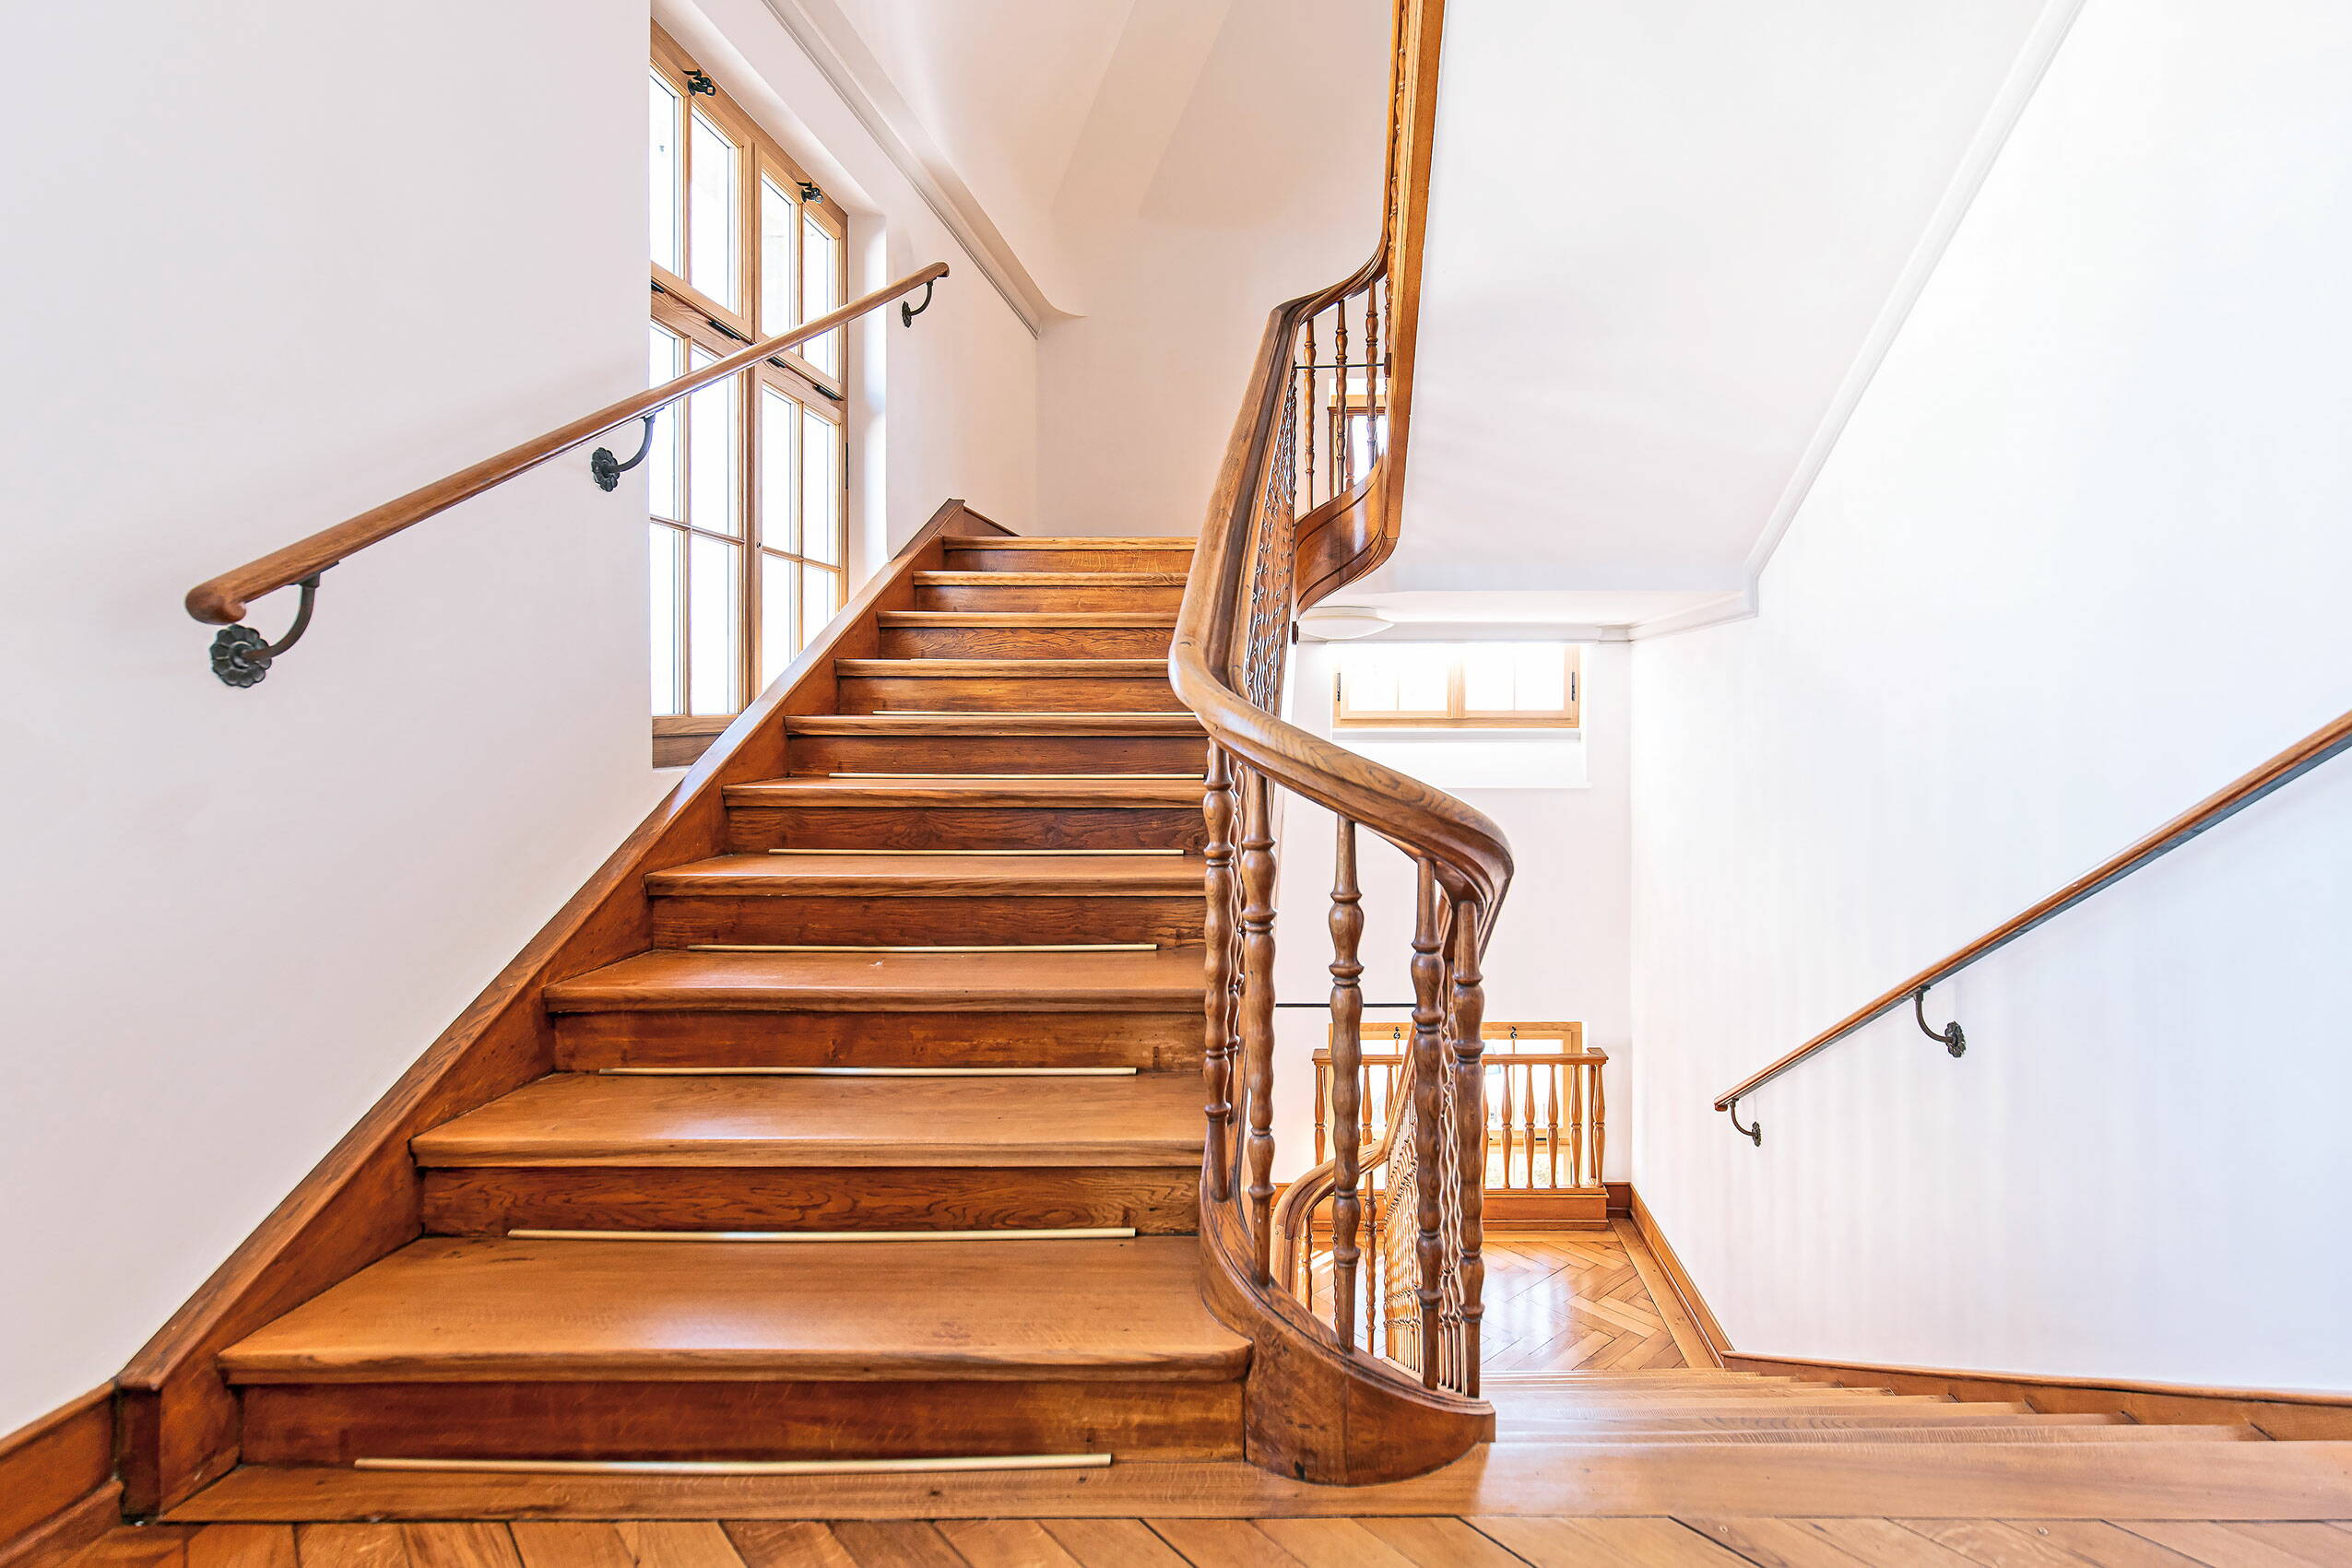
(1371, 1542)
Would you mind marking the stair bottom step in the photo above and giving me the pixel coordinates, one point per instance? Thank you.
(737, 1420)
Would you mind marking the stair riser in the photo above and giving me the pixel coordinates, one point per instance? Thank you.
(816, 754)
(756, 828)
(1024, 643)
(493, 1201)
(1009, 599)
(988, 694)
(916, 922)
(1162, 1041)
(335, 1423)
(1133, 558)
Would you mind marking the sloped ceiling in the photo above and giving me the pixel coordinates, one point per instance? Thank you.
(1664, 233)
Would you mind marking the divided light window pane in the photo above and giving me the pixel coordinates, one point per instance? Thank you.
(821, 292)
(711, 213)
(668, 548)
(713, 594)
(779, 221)
(779, 421)
(667, 363)
(711, 446)
(821, 489)
(1489, 678)
(777, 643)
(667, 163)
(816, 600)
(1423, 677)
(1543, 679)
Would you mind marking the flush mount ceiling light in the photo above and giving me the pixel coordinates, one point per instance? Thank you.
(1338, 623)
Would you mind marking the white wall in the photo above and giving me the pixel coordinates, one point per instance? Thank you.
(1268, 186)
(1560, 947)
(302, 259)
(2079, 561)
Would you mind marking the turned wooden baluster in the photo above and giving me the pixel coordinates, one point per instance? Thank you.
(1576, 1123)
(1593, 1173)
(1507, 1131)
(1374, 383)
(1216, 1060)
(1342, 443)
(1322, 1100)
(1256, 862)
(1551, 1122)
(1429, 1044)
(1347, 1079)
(1468, 1011)
(1311, 384)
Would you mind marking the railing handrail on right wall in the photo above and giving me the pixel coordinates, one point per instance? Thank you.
(2329, 741)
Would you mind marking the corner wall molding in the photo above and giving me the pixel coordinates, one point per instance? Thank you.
(1976, 166)
(830, 42)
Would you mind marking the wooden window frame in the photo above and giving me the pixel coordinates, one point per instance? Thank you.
(1457, 714)
(707, 325)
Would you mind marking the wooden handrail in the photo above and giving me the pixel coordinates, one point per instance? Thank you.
(2328, 740)
(223, 600)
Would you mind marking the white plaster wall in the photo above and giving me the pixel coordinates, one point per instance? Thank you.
(293, 261)
(1560, 949)
(2078, 561)
(1268, 186)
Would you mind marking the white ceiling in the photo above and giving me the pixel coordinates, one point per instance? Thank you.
(1663, 234)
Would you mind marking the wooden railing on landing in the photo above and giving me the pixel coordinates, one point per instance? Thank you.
(1546, 1134)
(1307, 501)
(2330, 739)
(224, 599)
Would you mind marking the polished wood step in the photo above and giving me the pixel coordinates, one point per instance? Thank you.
(1106, 635)
(912, 900)
(448, 1309)
(493, 1199)
(1021, 686)
(997, 743)
(1169, 980)
(1000, 813)
(1048, 553)
(587, 1119)
(652, 1037)
(2023, 1431)
(1061, 591)
(1858, 1424)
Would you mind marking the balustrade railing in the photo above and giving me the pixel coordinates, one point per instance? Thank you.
(1307, 501)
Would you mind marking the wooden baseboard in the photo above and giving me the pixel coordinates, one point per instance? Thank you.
(1621, 1199)
(57, 1487)
(2285, 1414)
(1678, 1281)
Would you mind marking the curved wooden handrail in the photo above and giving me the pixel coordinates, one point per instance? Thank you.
(2328, 740)
(223, 600)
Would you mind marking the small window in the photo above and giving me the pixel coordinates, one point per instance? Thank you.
(1456, 685)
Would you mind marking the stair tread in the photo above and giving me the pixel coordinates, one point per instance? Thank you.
(997, 791)
(589, 1119)
(975, 876)
(1003, 669)
(995, 723)
(450, 1309)
(2021, 1433)
(1074, 542)
(1049, 579)
(1169, 979)
(1017, 618)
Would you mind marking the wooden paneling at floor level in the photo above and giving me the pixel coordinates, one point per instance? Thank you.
(1410, 1542)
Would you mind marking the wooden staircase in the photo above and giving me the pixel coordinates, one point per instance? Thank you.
(946, 979)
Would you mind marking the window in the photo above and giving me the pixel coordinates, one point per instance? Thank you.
(1456, 686)
(748, 479)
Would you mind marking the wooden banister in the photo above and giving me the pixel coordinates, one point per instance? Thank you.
(2329, 741)
(223, 600)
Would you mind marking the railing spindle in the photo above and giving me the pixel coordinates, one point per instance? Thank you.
(1593, 1175)
(1311, 374)
(1343, 439)
(1347, 1081)
(1256, 862)
(1218, 935)
(1428, 1093)
(1469, 1012)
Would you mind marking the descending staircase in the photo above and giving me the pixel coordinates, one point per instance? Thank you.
(948, 978)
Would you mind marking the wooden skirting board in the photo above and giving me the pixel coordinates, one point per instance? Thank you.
(58, 1486)
(2285, 1414)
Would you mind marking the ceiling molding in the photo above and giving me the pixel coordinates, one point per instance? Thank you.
(1984, 150)
(1740, 605)
(832, 43)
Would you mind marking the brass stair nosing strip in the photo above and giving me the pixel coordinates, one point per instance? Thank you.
(923, 947)
(869, 1072)
(1066, 1233)
(978, 852)
(745, 1467)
